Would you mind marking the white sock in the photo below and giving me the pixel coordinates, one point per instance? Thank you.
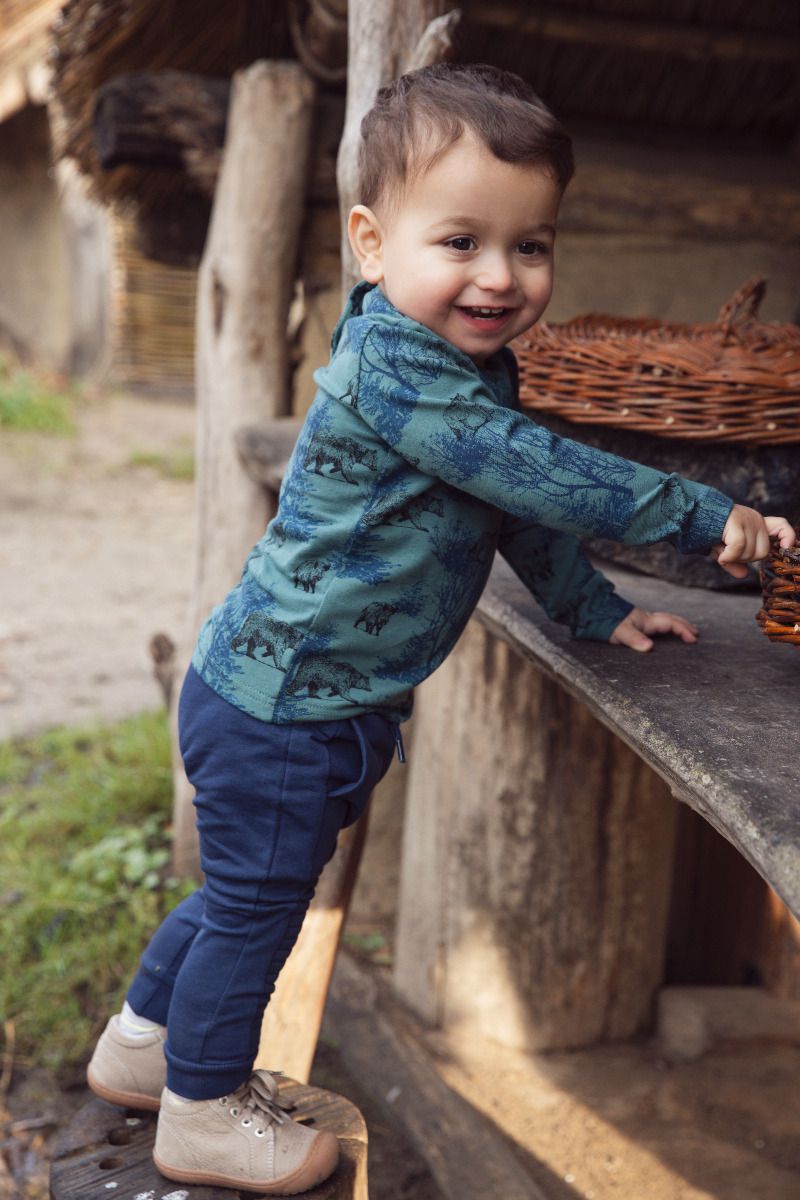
(178, 1099)
(132, 1024)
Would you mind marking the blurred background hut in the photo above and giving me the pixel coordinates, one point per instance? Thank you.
(686, 116)
(53, 239)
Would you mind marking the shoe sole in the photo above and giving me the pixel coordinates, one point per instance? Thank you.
(320, 1164)
(123, 1099)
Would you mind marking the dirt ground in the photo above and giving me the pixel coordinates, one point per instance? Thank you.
(95, 557)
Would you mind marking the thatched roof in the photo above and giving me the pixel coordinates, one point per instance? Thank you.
(96, 40)
(24, 40)
(722, 67)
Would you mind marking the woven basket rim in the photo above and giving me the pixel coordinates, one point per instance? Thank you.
(737, 380)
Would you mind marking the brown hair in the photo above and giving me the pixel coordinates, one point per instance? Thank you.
(419, 116)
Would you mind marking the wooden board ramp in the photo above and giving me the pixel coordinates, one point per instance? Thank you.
(106, 1152)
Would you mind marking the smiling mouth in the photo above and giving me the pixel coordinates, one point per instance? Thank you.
(485, 314)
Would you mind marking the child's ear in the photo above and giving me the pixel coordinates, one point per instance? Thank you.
(366, 241)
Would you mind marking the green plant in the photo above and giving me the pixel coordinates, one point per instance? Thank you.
(84, 859)
(28, 403)
(179, 464)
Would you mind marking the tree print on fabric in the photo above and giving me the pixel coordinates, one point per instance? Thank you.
(449, 606)
(533, 470)
(296, 517)
(394, 373)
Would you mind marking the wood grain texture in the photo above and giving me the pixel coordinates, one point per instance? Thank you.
(243, 294)
(468, 1156)
(536, 860)
(384, 38)
(105, 1145)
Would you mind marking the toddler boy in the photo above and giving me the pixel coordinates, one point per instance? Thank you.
(414, 465)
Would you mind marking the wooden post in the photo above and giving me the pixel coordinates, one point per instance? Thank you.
(385, 39)
(536, 862)
(244, 291)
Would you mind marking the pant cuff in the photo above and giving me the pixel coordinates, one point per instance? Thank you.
(204, 1082)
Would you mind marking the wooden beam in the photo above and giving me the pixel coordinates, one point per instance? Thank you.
(640, 36)
(163, 119)
(664, 196)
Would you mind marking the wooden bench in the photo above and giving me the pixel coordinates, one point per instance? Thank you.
(107, 1152)
(545, 855)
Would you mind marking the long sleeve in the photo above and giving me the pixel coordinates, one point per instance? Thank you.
(427, 400)
(558, 574)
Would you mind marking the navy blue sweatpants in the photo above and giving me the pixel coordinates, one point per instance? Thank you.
(270, 802)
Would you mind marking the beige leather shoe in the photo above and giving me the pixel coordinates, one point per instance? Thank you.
(130, 1071)
(245, 1140)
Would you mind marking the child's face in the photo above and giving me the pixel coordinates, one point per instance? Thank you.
(468, 250)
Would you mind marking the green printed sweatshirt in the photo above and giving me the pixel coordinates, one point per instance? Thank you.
(412, 468)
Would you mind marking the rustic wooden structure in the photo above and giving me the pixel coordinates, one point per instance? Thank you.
(527, 742)
(108, 1150)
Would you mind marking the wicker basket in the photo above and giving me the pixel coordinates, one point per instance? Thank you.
(735, 381)
(780, 583)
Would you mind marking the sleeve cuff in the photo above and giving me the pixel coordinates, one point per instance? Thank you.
(707, 518)
(606, 614)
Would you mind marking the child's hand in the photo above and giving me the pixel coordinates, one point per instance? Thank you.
(633, 631)
(745, 539)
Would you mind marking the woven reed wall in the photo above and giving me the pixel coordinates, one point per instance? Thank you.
(152, 320)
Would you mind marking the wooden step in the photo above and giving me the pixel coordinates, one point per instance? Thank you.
(106, 1152)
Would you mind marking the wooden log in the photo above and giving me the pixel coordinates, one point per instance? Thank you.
(385, 38)
(107, 1150)
(163, 119)
(244, 291)
(536, 860)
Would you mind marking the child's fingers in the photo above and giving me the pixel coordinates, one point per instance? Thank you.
(663, 622)
(634, 639)
(735, 547)
(780, 528)
(634, 631)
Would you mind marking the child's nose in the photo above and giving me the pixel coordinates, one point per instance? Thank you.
(495, 274)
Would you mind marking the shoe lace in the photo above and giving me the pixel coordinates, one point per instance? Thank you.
(259, 1096)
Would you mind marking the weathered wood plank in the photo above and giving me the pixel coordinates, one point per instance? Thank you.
(714, 720)
(383, 39)
(107, 1150)
(536, 860)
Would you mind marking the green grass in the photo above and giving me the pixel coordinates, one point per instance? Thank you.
(28, 403)
(84, 854)
(178, 464)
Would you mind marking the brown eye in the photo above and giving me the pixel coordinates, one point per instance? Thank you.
(531, 249)
(462, 244)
